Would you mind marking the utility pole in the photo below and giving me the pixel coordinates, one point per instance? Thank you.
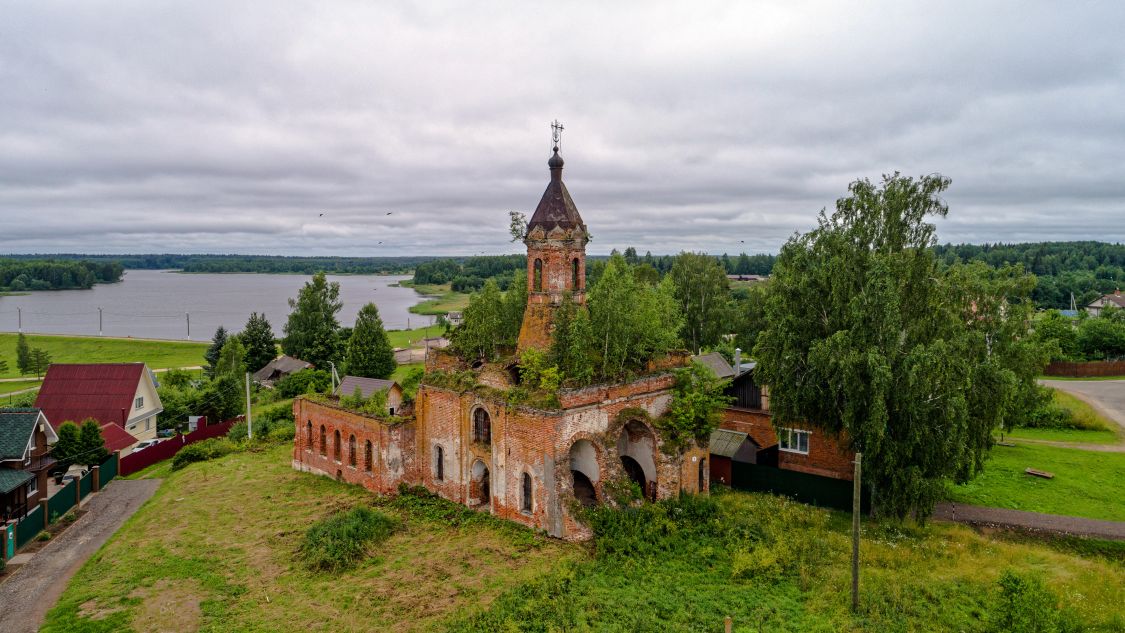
(249, 421)
(99, 321)
(188, 315)
(857, 493)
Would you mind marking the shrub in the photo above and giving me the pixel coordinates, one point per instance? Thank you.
(341, 540)
(304, 381)
(282, 433)
(1024, 605)
(202, 451)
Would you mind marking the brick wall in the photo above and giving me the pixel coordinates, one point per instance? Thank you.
(826, 456)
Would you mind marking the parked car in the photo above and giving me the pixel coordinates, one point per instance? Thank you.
(63, 478)
(143, 444)
(166, 433)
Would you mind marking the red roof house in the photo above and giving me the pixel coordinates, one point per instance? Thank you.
(120, 396)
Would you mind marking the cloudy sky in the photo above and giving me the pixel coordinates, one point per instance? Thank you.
(230, 127)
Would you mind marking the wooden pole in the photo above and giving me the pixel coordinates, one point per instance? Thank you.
(727, 623)
(856, 509)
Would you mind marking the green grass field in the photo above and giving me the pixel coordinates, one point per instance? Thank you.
(9, 387)
(408, 338)
(444, 299)
(1086, 484)
(216, 549)
(1077, 436)
(92, 349)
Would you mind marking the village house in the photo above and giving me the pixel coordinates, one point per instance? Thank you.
(367, 387)
(279, 368)
(121, 397)
(528, 464)
(1115, 300)
(25, 443)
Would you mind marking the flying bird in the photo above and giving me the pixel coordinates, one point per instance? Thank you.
(389, 212)
(321, 215)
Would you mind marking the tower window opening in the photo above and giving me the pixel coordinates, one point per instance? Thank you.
(574, 279)
(537, 276)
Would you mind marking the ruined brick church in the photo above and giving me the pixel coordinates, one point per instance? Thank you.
(530, 465)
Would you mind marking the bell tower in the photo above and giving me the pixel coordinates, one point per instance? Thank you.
(556, 255)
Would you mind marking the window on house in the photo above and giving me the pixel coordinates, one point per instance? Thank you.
(482, 426)
(368, 456)
(351, 451)
(793, 440)
(574, 275)
(139, 403)
(336, 445)
(439, 463)
(525, 504)
(32, 486)
(537, 276)
(148, 424)
(323, 441)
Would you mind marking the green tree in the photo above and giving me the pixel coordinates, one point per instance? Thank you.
(39, 361)
(868, 340)
(311, 333)
(369, 351)
(697, 405)
(23, 355)
(572, 343)
(69, 446)
(703, 293)
(1101, 337)
(216, 348)
(1053, 327)
(232, 359)
(258, 339)
(482, 327)
(512, 308)
(631, 323)
(222, 398)
(91, 443)
(3, 366)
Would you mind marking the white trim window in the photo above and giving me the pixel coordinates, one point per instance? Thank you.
(139, 403)
(793, 440)
(32, 486)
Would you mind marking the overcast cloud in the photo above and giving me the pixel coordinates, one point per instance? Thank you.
(229, 127)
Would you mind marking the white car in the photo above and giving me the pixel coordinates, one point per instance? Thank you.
(143, 444)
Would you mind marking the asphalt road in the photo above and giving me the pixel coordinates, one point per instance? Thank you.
(33, 589)
(1108, 396)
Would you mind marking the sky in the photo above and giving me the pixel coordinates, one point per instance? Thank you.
(414, 128)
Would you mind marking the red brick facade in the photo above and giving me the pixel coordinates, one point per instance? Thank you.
(826, 457)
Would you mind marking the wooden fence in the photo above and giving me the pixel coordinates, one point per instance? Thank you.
(1086, 370)
(140, 460)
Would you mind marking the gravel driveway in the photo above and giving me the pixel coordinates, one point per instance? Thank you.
(34, 588)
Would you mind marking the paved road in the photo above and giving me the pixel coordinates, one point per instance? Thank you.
(1034, 521)
(34, 588)
(1107, 396)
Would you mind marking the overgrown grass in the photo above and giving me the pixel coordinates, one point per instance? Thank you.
(342, 540)
(93, 349)
(1086, 483)
(1077, 436)
(774, 565)
(222, 536)
(403, 370)
(1082, 415)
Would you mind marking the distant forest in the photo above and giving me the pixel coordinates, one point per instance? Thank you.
(41, 274)
(1088, 269)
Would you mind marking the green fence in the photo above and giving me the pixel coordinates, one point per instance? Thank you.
(812, 489)
(86, 484)
(31, 525)
(107, 471)
(62, 501)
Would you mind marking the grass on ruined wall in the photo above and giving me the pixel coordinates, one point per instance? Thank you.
(216, 549)
(774, 565)
(92, 349)
(1086, 483)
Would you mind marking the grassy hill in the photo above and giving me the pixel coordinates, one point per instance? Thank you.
(217, 550)
(93, 349)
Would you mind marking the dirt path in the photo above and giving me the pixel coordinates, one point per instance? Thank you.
(1032, 521)
(34, 588)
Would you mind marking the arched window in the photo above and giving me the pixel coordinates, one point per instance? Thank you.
(537, 276)
(336, 445)
(525, 503)
(368, 456)
(702, 474)
(482, 426)
(574, 268)
(308, 436)
(439, 463)
(323, 441)
(351, 451)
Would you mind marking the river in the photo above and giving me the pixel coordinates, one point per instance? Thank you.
(157, 304)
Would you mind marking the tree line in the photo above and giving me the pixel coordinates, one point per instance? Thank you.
(48, 274)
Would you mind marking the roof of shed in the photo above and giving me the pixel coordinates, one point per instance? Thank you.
(367, 386)
(717, 363)
(726, 443)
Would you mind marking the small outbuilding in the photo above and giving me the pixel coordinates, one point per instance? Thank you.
(727, 447)
(279, 368)
(369, 386)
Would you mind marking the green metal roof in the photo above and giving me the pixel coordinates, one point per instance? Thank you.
(11, 479)
(726, 443)
(16, 427)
